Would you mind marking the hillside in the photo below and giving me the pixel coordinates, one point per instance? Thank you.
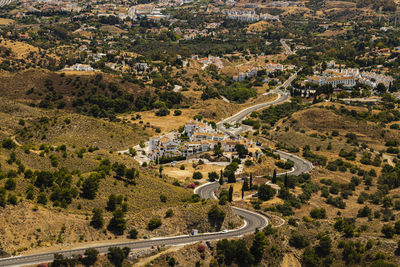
(74, 149)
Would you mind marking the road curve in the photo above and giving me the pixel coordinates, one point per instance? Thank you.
(241, 115)
(300, 165)
(252, 220)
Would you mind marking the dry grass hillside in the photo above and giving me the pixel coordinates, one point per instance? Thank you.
(314, 126)
(32, 86)
(28, 225)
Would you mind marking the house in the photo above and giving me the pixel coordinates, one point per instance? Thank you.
(141, 67)
(274, 66)
(377, 78)
(345, 81)
(79, 67)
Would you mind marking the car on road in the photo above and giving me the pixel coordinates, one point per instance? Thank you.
(224, 231)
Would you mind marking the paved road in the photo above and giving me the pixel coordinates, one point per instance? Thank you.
(288, 51)
(290, 80)
(252, 220)
(300, 165)
(283, 96)
(241, 115)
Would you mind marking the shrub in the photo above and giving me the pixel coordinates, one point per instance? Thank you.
(169, 213)
(298, 241)
(387, 231)
(42, 199)
(12, 199)
(163, 198)
(197, 175)
(154, 223)
(318, 213)
(133, 233)
(10, 184)
(8, 143)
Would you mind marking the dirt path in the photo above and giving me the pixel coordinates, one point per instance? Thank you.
(289, 260)
(20, 145)
(146, 260)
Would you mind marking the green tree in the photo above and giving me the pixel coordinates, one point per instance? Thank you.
(2, 197)
(117, 223)
(245, 184)
(90, 256)
(230, 194)
(241, 150)
(163, 198)
(212, 176)
(97, 218)
(216, 216)
(160, 169)
(116, 255)
(318, 213)
(298, 241)
(8, 143)
(258, 246)
(221, 179)
(324, 246)
(169, 213)
(112, 202)
(90, 186)
(274, 178)
(265, 192)
(218, 150)
(397, 227)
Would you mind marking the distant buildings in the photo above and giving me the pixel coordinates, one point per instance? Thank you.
(348, 77)
(377, 78)
(346, 81)
(269, 68)
(211, 60)
(79, 67)
(248, 15)
(146, 10)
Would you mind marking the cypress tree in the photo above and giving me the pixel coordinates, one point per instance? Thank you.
(230, 196)
(221, 179)
(285, 184)
(274, 177)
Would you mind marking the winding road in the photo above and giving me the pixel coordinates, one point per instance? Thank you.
(241, 115)
(252, 220)
(300, 165)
